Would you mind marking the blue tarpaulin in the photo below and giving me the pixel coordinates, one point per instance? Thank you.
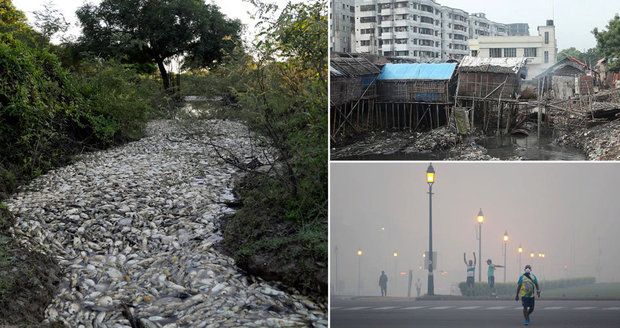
(417, 71)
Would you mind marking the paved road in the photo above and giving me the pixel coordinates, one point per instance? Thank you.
(388, 313)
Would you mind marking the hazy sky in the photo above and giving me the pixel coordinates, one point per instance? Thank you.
(563, 210)
(574, 19)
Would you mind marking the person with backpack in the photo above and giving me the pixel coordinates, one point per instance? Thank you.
(383, 283)
(528, 283)
(471, 273)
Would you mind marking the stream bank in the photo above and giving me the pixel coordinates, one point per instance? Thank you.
(134, 230)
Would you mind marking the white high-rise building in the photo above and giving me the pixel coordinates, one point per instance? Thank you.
(455, 33)
(540, 50)
(342, 22)
(420, 29)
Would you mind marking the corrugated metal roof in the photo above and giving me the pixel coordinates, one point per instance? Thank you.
(417, 71)
(482, 64)
(353, 66)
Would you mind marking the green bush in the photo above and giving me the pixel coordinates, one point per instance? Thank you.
(509, 289)
(115, 103)
(47, 113)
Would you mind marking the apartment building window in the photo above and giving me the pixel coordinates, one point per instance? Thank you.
(403, 4)
(386, 29)
(385, 5)
(367, 31)
(387, 41)
(370, 19)
(401, 16)
(474, 53)
(459, 37)
(546, 37)
(510, 52)
(367, 8)
(424, 30)
(352, 9)
(415, 41)
(495, 52)
(529, 52)
(546, 57)
(402, 53)
(426, 43)
(387, 53)
(365, 43)
(400, 41)
(427, 8)
(428, 20)
(400, 29)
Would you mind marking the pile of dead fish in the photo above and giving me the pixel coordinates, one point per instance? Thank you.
(134, 229)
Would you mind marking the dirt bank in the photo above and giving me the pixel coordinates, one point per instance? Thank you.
(600, 142)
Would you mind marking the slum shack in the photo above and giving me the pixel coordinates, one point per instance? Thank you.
(567, 78)
(487, 92)
(490, 78)
(415, 83)
(351, 79)
(353, 90)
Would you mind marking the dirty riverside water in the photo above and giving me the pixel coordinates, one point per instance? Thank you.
(444, 146)
(134, 228)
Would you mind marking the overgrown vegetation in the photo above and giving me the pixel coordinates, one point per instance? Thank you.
(509, 289)
(608, 42)
(280, 232)
(49, 112)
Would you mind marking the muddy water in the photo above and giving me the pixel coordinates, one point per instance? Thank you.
(503, 148)
(530, 148)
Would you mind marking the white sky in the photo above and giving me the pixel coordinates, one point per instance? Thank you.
(574, 19)
(232, 8)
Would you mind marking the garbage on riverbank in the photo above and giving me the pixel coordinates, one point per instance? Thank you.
(599, 142)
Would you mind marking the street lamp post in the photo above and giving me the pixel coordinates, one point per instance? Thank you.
(359, 271)
(505, 243)
(395, 268)
(480, 219)
(520, 250)
(430, 179)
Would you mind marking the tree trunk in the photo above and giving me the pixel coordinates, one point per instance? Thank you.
(164, 74)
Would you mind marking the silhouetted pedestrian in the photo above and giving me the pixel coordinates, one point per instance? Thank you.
(418, 287)
(383, 279)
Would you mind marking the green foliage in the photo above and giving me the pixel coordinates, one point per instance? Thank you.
(281, 93)
(608, 42)
(116, 103)
(155, 31)
(47, 114)
(509, 289)
(590, 57)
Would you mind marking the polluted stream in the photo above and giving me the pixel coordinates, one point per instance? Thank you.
(134, 229)
(440, 144)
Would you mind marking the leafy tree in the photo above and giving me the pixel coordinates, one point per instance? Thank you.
(590, 57)
(147, 30)
(50, 21)
(608, 41)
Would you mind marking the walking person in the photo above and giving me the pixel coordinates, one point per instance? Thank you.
(491, 275)
(471, 273)
(525, 289)
(383, 279)
(418, 287)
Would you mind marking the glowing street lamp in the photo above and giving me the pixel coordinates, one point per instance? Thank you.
(430, 179)
(505, 243)
(480, 219)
